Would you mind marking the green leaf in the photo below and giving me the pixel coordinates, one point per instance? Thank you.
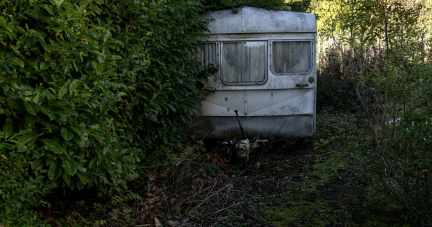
(66, 177)
(80, 131)
(8, 128)
(106, 148)
(50, 96)
(46, 123)
(97, 53)
(79, 185)
(101, 176)
(100, 67)
(104, 104)
(54, 171)
(22, 140)
(49, 9)
(7, 146)
(92, 163)
(16, 61)
(40, 95)
(84, 178)
(30, 119)
(74, 84)
(58, 2)
(31, 107)
(66, 133)
(80, 167)
(78, 141)
(59, 103)
(130, 135)
(69, 166)
(172, 107)
(48, 112)
(69, 111)
(109, 169)
(119, 167)
(52, 145)
(62, 92)
(38, 163)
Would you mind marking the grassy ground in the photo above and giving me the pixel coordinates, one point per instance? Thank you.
(290, 183)
(309, 183)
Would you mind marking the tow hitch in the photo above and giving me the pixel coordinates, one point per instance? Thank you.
(243, 147)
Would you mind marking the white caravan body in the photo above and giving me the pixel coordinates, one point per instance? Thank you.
(266, 63)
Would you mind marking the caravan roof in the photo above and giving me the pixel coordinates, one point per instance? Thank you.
(257, 20)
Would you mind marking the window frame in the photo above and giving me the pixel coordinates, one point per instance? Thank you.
(217, 63)
(266, 65)
(291, 40)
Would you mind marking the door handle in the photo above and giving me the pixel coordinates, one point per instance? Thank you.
(302, 85)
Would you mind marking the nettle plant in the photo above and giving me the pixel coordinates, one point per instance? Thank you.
(87, 89)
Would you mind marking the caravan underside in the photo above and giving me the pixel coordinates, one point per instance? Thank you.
(282, 126)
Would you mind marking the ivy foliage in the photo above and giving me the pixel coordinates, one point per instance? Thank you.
(90, 89)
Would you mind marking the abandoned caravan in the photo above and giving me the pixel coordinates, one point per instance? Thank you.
(266, 71)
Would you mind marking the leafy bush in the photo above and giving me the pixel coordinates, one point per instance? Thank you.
(400, 154)
(394, 156)
(336, 88)
(391, 75)
(90, 88)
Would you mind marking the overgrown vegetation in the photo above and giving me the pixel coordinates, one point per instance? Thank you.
(95, 93)
(89, 90)
(379, 57)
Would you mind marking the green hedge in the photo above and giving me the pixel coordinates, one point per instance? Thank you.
(90, 89)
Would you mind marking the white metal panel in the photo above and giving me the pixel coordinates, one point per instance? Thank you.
(225, 21)
(280, 102)
(258, 36)
(223, 103)
(259, 103)
(258, 20)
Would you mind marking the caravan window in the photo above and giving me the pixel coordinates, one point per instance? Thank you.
(292, 57)
(244, 62)
(207, 55)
